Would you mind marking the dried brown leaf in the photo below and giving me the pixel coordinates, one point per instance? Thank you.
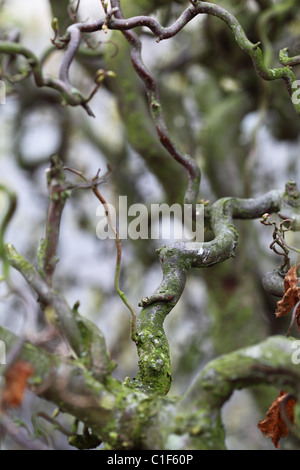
(291, 294)
(16, 378)
(274, 425)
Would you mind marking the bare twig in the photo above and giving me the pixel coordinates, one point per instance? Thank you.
(186, 161)
(71, 95)
(279, 239)
(114, 20)
(93, 184)
(118, 264)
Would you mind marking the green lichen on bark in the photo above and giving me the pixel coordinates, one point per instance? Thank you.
(94, 353)
(126, 419)
(154, 368)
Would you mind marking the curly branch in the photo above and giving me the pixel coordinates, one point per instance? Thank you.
(198, 7)
(176, 260)
(114, 20)
(186, 161)
(126, 419)
(267, 362)
(71, 95)
(118, 247)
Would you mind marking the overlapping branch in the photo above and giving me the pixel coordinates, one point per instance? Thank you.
(130, 419)
(176, 260)
(113, 20)
(186, 161)
(71, 95)
(154, 373)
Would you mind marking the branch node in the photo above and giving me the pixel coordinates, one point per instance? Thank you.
(256, 46)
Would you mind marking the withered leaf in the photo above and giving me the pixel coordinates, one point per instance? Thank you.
(16, 378)
(274, 425)
(291, 295)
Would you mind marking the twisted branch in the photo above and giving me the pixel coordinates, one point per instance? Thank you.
(176, 260)
(114, 20)
(118, 247)
(71, 95)
(186, 161)
(126, 419)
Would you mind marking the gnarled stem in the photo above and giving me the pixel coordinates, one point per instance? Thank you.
(129, 419)
(176, 260)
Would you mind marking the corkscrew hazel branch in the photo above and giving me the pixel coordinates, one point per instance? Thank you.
(279, 239)
(253, 50)
(71, 95)
(113, 20)
(176, 260)
(118, 264)
(285, 60)
(150, 83)
(93, 185)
